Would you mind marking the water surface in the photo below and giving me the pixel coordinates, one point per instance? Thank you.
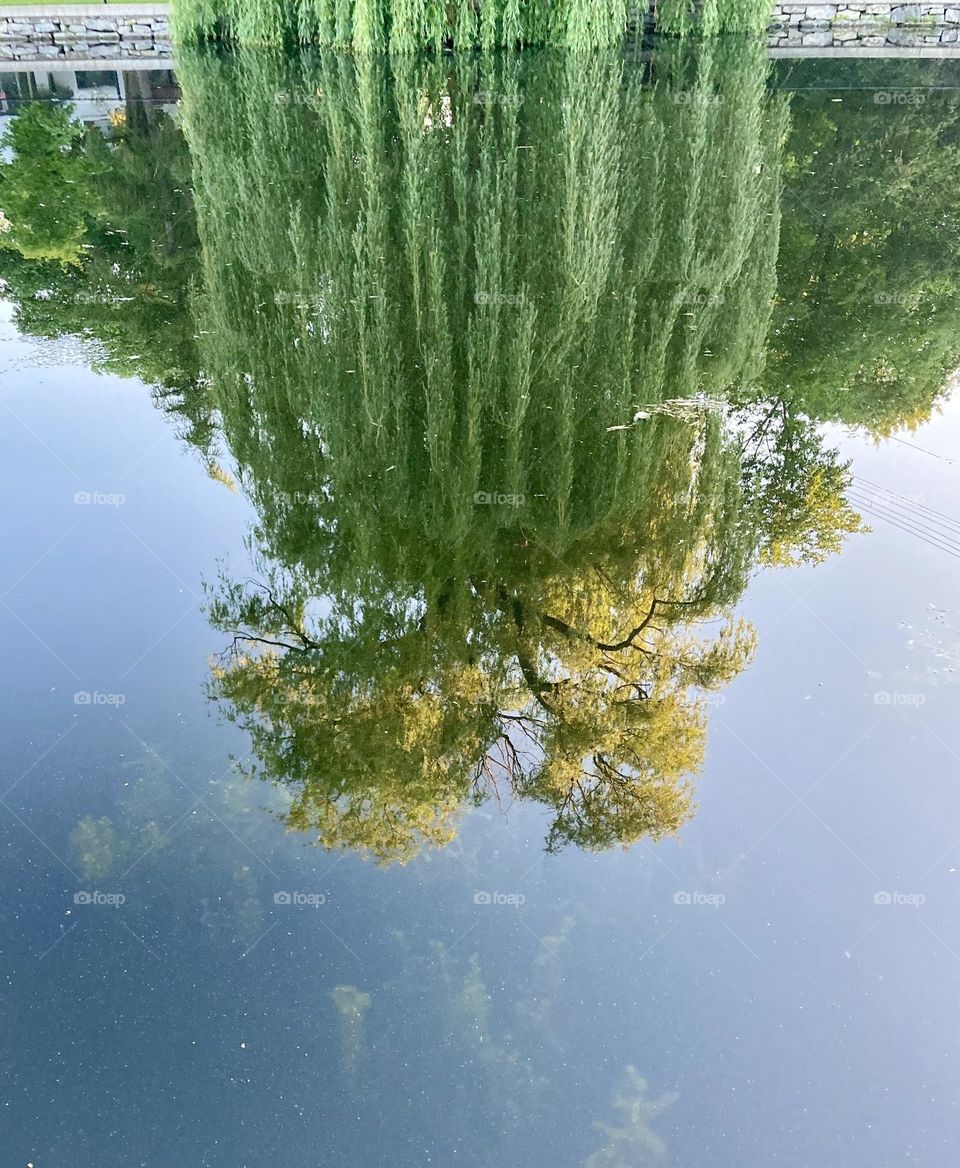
(480, 615)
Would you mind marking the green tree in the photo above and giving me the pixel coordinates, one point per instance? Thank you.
(46, 188)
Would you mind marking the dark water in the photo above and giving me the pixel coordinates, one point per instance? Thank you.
(479, 613)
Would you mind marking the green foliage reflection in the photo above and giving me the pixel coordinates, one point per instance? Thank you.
(523, 375)
(473, 374)
(410, 26)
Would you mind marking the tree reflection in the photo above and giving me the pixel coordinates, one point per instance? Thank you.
(634, 1140)
(523, 376)
(474, 375)
(866, 328)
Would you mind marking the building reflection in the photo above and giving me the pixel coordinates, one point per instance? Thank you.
(96, 93)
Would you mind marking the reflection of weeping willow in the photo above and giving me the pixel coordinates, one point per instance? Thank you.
(409, 25)
(448, 316)
(463, 297)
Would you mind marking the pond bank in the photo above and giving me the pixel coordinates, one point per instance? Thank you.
(859, 23)
(41, 33)
(89, 31)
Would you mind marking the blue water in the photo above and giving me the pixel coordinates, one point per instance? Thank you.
(201, 986)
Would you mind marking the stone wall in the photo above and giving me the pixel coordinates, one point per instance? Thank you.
(84, 31)
(859, 23)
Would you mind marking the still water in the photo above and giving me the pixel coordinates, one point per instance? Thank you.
(480, 615)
